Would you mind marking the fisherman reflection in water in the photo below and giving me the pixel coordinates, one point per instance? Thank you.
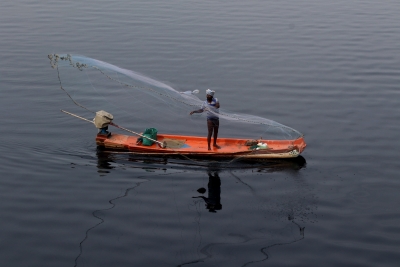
(213, 201)
(211, 105)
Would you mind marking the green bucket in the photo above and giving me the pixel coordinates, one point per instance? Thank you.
(151, 133)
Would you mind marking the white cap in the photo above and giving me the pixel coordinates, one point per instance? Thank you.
(210, 92)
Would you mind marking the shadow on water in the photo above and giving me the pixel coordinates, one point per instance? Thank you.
(109, 160)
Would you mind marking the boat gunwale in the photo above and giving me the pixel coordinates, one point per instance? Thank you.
(294, 149)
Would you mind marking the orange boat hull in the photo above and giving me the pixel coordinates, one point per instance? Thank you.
(197, 146)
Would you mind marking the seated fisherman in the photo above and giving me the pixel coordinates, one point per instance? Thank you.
(102, 120)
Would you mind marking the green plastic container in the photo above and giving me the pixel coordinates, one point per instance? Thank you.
(151, 133)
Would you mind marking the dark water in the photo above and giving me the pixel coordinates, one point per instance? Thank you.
(329, 69)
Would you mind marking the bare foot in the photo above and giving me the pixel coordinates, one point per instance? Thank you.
(209, 148)
(217, 146)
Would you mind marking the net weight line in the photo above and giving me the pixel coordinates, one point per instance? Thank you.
(82, 66)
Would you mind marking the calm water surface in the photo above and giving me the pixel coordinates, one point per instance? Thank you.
(329, 69)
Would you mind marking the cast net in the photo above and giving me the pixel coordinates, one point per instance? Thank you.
(139, 102)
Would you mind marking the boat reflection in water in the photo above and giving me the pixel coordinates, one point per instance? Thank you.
(252, 214)
(105, 157)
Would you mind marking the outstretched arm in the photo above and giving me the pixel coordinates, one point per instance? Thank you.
(196, 111)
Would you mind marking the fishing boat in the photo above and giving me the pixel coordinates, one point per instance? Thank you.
(193, 146)
(197, 146)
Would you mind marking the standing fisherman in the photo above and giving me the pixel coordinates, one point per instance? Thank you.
(211, 105)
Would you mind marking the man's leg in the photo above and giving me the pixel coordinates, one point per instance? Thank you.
(216, 126)
(210, 127)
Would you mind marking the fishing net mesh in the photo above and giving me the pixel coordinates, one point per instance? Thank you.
(138, 102)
